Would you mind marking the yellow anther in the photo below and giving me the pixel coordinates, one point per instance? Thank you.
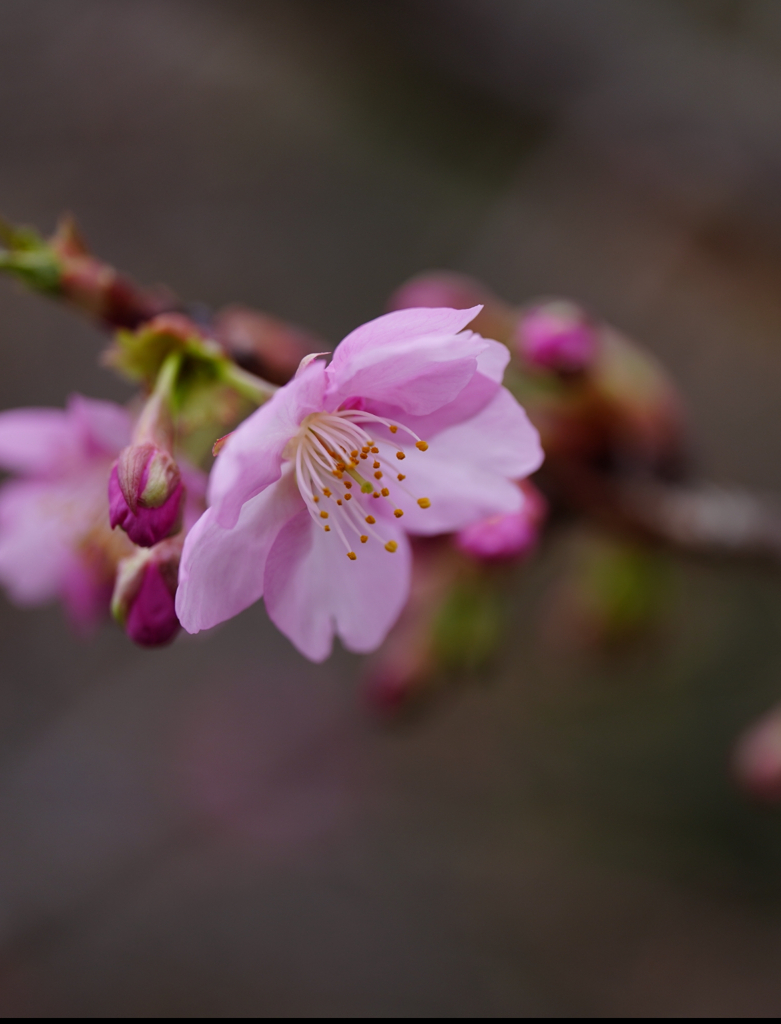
(348, 484)
(385, 492)
(376, 494)
(400, 455)
(324, 514)
(401, 477)
(378, 475)
(364, 455)
(393, 428)
(424, 502)
(347, 496)
(354, 453)
(376, 465)
(366, 448)
(421, 446)
(374, 449)
(338, 501)
(398, 513)
(326, 492)
(364, 538)
(316, 497)
(371, 520)
(327, 529)
(391, 546)
(351, 555)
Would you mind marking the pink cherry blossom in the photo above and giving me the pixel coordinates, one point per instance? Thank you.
(408, 430)
(55, 539)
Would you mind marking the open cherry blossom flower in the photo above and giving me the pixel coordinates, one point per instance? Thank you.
(55, 538)
(408, 430)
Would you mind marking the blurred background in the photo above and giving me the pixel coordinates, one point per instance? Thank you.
(221, 828)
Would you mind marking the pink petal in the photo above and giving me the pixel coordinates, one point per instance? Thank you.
(252, 457)
(221, 572)
(417, 375)
(468, 470)
(312, 590)
(491, 363)
(38, 442)
(35, 553)
(399, 326)
(500, 438)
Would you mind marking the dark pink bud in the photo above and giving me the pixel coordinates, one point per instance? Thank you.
(508, 535)
(557, 335)
(146, 495)
(144, 593)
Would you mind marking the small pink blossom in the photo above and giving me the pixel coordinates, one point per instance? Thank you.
(557, 335)
(407, 431)
(55, 539)
(507, 534)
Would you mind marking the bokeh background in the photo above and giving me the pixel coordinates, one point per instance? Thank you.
(222, 829)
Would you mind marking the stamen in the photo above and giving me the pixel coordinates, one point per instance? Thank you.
(331, 445)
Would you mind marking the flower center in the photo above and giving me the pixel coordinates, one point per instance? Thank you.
(338, 465)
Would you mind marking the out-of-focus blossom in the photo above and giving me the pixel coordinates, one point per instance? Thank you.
(143, 600)
(557, 335)
(508, 534)
(313, 495)
(55, 538)
(757, 758)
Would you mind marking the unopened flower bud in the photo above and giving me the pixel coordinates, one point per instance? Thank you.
(757, 758)
(143, 601)
(557, 335)
(146, 494)
(508, 535)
